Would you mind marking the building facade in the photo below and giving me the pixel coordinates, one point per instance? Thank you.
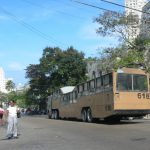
(135, 24)
(93, 69)
(145, 26)
(2, 81)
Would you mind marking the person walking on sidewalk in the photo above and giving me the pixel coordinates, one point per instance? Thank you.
(1, 115)
(12, 120)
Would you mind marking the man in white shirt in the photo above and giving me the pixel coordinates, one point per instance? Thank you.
(12, 120)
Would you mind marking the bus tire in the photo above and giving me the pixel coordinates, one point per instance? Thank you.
(89, 115)
(56, 114)
(49, 116)
(53, 114)
(84, 115)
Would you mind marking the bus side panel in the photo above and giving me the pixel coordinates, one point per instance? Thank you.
(103, 105)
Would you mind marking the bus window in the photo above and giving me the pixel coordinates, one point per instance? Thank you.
(98, 82)
(75, 96)
(140, 83)
(85, 86)
(71, 97)
(66, 99)
(131, 82)
(107, 80)
(92, 85)
(81, 88)
(124, 82)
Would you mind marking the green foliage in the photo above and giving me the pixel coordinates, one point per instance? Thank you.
(121, 56)
(57, 68)
(21, 99)
(3, 97)
(18, 97)
(132, 58)
(10, 85)
(63, 67)
(110, 57)
(111, 23)
(129, 55)
(117, 24)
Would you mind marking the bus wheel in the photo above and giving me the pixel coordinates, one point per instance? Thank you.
(56, 114)
(84, 115)
(49, 116)
(89, 115)
(53, 114)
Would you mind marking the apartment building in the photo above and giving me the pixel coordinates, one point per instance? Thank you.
(93, 69)
(2, 81)
(134, 27)
(145, 26)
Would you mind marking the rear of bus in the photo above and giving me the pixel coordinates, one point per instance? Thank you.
(131, 93)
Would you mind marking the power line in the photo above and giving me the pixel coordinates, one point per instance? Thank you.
(90, 5)
(57, 11)
(125, 6)
(31, 28)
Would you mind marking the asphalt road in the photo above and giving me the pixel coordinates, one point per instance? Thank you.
(40, 133)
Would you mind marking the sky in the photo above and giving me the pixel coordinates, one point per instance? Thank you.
(29, 26)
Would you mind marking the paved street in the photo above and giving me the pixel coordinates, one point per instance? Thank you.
(40, 133)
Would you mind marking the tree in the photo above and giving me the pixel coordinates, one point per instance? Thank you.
(110, 58)
(3, 97)
(116, 24)
(130, 52)
(63, 68)
(10, 85)
(57, 68)
(37, 93)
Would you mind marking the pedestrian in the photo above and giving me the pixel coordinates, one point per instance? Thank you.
(1, 114)
(12, 120)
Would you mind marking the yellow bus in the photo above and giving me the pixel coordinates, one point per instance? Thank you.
(118, 94)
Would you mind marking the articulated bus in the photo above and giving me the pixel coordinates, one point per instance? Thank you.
(118, 94)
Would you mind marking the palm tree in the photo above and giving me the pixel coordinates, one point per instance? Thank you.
(10, 85)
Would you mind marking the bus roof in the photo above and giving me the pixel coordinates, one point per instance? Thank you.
(131, 70)
(67, 89)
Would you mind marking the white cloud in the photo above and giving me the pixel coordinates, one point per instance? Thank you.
(15, 66)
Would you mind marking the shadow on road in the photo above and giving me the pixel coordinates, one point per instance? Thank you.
(122, 122)
(108, 122)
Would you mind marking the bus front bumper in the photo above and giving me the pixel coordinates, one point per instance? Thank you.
(131, 112)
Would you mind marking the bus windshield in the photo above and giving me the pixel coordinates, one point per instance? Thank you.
(131, 82)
